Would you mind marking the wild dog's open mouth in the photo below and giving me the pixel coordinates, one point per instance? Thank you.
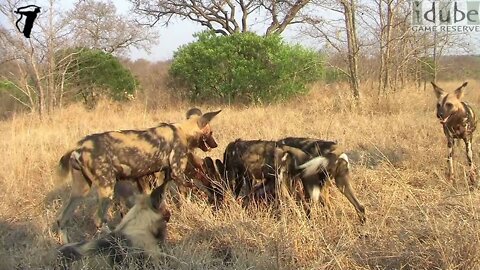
(207, 143)
(444, 120)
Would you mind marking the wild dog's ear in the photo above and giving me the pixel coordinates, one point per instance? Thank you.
(157, 196)
(459, 91)
(438, 91)
(193, 111)
(206, 118)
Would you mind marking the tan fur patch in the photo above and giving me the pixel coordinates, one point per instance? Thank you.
(105, 191)
(127, 170)
(165, 132)
(189, 130)
(132, 140)
(88, 144)
(456, 103)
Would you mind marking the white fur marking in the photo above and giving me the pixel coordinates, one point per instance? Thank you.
(127, 170)
(313, 166)
(315, 194)
(345, 157)
(76, 155)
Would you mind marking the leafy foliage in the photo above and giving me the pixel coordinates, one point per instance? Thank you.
(427, 68)
(95, 72)
(243, 67)
(9, 88)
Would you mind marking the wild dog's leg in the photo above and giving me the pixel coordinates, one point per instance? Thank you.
(178, 164)
(342, 181)
(247, 180)
(105, 195)
(235, 181)
(450, 144)
(80, 188)
(144, 183)
(218, 186)
(325, 194)
(468, 146)
(311, 185)
(124, 195)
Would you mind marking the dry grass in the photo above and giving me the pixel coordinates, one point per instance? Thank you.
(415, 218)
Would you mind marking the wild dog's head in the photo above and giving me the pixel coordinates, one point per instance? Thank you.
(287, 160)
(198, 130)
(448, 104)
(149, 214)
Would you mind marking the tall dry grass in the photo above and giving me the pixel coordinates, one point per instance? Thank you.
(415, 218)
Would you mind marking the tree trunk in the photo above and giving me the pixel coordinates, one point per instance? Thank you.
(381, 42)
(352, 44)
(388, 46)
(38, 84)
(50, 95)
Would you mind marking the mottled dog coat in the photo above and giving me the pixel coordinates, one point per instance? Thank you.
(459, 122)
(317, 163)
(102, 159)
(139, 234)
(313, 161)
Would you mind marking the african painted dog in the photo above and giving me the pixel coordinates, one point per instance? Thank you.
(101, 159)
(139, 233)
(125, 191)
(315, 174)
(459, 122)
(313, 161)
(251, 164)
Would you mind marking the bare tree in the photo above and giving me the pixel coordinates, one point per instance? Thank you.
(340, 33)
(223, 16)
(33, 82)
(349, 8)
(96, 24)
(42, 61)
(403, 54)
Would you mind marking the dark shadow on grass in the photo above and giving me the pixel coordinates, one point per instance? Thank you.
(81, 226)
(372, 157)
(25, 246)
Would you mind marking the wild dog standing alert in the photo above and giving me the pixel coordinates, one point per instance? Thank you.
(459, 122)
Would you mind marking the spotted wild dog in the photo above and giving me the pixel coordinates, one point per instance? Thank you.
(248, 163)
(459, 122)
(140, 233)
(202, 172)
(103, 158)
(315, 174)
(257, 164)
(195, 172)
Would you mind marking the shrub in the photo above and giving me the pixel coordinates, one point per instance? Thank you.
(243, 67)
(95, 73)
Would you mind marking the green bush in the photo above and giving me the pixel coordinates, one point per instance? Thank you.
(243, 67)
(427, 68)
(9, 88)
(96, 72)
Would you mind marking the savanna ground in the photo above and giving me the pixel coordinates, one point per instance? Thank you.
(415, 218)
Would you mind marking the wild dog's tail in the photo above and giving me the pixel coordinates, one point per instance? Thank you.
(78, 250)
(63, 168)
(314, 166)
